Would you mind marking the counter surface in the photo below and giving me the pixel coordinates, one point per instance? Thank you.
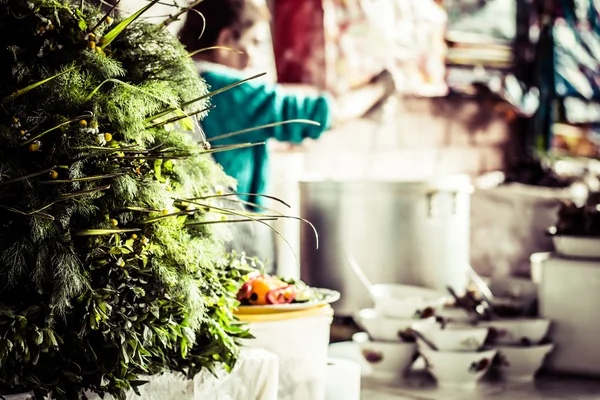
(419, 386)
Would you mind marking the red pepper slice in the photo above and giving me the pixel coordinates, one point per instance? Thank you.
(245, 291)
(282, 295)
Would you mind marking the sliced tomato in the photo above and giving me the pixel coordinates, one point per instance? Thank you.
(282, 295)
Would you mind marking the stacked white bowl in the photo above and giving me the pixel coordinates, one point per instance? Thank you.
(454, 352)
(458, 350)
(459, 354)
(388, 344)
(522, 346)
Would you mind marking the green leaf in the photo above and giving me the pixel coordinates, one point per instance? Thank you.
(219, 149)
(84, 179)
(158, 169)
(72, 377)
(21, 92)
(38, 136)
(266, 126)
(200, 98)
(103, 232)
(202, 50)
(124, 353)
(127, 85)
(50, 338)
(110, 36)
(183, 347)
(38, 337)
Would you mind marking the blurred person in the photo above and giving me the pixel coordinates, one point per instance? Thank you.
(235, 25)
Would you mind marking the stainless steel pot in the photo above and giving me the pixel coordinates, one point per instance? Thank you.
(399, 232)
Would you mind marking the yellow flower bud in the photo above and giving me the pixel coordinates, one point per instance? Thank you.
(34, 146)
(53, 174)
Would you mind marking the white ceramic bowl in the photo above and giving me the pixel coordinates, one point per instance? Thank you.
(519, 364)
(457, 369)
(382, 328)
(453, 336)
(388, 360)
(577, 246)
(456, 314)
(404, 301)
(517, 331)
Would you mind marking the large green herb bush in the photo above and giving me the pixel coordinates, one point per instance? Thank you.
(111, 263)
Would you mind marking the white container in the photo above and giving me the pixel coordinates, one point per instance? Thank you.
(569, 296)
(520, 364)
(300, 339)
(457, 369)
(453, 336)
(537, 261)
(382, 328)
(577, 246)
(412, 233)
(343, 380)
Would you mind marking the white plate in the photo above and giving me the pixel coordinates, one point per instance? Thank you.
(329, 296)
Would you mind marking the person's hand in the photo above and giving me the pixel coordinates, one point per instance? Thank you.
(387, 81)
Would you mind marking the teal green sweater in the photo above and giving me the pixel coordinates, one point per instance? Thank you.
(254, 104)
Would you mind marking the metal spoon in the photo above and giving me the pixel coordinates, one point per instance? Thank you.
(485, 291)
(482, 307)
(477, 308)
(359, 272)
(424, 339)
(457, 299)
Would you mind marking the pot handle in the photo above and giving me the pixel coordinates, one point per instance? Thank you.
(433, 204)
(455, 203)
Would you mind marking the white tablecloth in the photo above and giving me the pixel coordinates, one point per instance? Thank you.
(255, 377)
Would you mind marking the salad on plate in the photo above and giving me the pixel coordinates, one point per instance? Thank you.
(267, 290)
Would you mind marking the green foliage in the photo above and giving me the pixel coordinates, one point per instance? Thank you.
(106, 271)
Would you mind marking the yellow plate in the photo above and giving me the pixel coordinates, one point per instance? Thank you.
(282, 316)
